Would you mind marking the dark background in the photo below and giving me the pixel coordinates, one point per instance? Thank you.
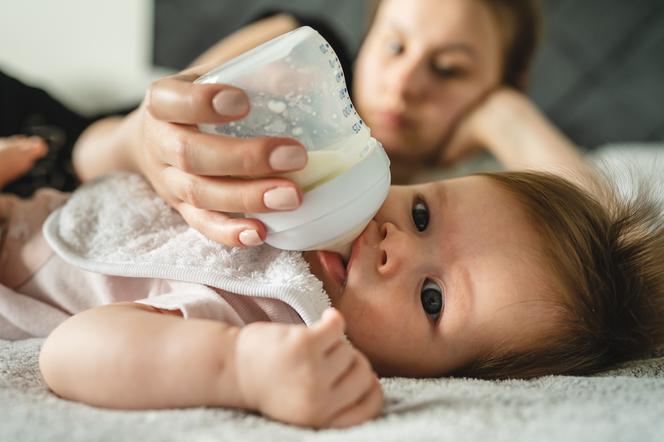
(599, 74)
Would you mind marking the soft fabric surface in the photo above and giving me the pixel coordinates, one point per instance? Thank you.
(624, 404)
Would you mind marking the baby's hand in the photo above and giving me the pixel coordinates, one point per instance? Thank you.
(17, 155)
(306, 376)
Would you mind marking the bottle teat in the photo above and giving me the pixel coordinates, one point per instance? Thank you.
(343, 244)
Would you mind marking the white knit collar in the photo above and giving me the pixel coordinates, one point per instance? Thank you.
(118, 225)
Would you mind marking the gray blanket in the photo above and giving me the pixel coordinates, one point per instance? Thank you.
(624, 404)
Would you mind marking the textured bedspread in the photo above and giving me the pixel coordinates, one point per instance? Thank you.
(624, 404)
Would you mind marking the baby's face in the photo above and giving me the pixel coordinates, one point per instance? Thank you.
(422, 66)
(444, 273)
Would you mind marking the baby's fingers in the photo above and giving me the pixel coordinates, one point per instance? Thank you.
(17, 156)
(329, 330)
(366, 407)
(21, 146)
(353, 383)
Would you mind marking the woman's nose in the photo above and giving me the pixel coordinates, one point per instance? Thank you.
(408, 79)
(392, 249)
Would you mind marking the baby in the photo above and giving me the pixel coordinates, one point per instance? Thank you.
(513, 274)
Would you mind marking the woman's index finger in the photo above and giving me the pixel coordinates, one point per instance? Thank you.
(177, 99)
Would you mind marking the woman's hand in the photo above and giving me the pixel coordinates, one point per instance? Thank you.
(18, 154)
(203, 176)
(472, 133)
(511, 127)
(306, 376)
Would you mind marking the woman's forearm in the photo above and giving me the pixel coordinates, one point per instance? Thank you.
(128, 356)
(521, 137)
(103, 147)
(246, 38)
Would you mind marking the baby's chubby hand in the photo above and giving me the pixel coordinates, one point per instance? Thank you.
(306, 376)
(17, 155)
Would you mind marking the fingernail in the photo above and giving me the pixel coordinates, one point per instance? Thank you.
(289, 157)
(250, 238)
(230, 103)
(281, 198)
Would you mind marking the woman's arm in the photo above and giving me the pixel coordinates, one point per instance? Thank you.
(246, 38)
(133, 356)
(510, 126)
(104, 145)
(202, 176)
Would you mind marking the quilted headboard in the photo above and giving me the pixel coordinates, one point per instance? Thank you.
(600, 71)
(599, 74)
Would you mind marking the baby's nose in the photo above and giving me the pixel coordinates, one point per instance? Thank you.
(391, 252)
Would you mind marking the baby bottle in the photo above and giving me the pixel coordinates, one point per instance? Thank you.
(296, 88)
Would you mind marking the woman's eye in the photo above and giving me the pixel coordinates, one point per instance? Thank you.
(395, 47)
(420, 215)
(446, 72)
(431, 296)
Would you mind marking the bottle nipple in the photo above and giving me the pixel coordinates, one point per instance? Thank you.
(343, 244)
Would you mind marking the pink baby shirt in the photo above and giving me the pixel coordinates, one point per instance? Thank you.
(101, 248)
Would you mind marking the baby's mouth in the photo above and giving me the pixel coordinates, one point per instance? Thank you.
(333, 264)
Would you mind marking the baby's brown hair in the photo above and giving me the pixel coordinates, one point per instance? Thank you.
(607, 253)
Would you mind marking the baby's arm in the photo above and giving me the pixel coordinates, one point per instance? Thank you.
(133, 357)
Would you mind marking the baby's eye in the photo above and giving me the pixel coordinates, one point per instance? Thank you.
(431, 296)
(420, 215)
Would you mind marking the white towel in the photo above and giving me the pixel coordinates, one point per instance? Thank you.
(118, 225)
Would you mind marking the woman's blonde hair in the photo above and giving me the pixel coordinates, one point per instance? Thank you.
(521, 23)
(607, 253)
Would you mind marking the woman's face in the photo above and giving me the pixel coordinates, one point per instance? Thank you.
(444, 273)
(424, 64)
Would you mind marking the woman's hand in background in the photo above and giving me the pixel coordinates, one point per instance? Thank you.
(306, 376)
(511, 127)
(497, 112)
(18, 154)
(203, 176)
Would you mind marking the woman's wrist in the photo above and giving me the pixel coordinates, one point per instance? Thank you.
(516, 132)
(131, 142)
(502, 124)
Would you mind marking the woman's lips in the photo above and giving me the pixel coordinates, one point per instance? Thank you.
(391, 119)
